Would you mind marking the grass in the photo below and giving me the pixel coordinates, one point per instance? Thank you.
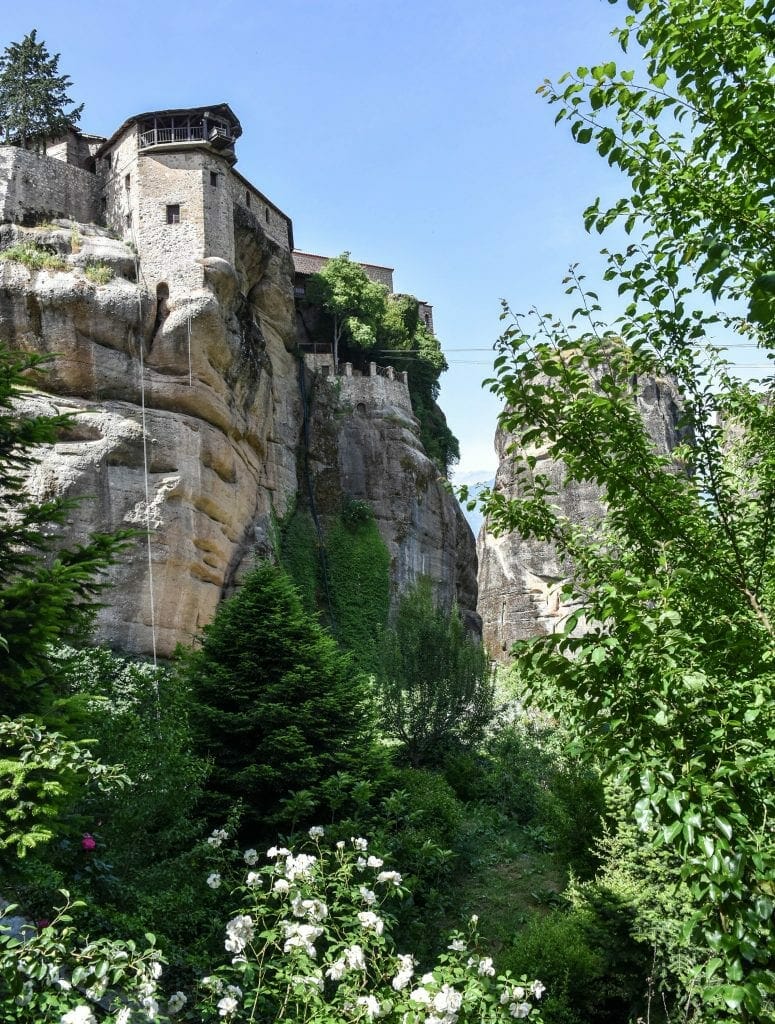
(511, 880)
(34, 257)
(99, 273)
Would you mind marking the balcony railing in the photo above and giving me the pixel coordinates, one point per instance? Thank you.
(190, 133)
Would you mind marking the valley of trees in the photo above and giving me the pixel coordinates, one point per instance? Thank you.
(281, 825)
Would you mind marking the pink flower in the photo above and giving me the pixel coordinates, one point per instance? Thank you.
(88, 842)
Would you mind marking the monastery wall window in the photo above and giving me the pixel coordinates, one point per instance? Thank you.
(173, 213)
(214, 179)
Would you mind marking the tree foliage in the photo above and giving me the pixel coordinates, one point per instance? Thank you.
(673, 682)
(352, 303)
(33, 95)
(46, 592)
(436, 683)
(277, 708)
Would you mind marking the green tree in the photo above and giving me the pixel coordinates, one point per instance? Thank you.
(46, 592)
(436, 683)
(277, 707)
(353, 304)
(406, 343)
(33, 95)
(673, 682)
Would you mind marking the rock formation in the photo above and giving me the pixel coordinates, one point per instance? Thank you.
(518, 576)
(364, 445)
(212, 375)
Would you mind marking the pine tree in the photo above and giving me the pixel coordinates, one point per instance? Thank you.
(42, 599)
(33, 95)
(278, 708)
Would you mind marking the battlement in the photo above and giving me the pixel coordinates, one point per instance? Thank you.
(379, 387)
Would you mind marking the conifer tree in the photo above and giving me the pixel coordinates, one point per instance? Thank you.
(277, 707)
(41, 599)
(33, 95)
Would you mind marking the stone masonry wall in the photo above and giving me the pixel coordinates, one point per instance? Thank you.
(33, 188)
(169, 252)
(217, 207)
(121, 205)
(375, 391)
(273, 221)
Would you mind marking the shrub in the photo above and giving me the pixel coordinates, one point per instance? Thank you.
(436, 684)
(580, 962)
(49, 972)
(99, 273)
(277, 707)
(139, 717)
(33, 256)
(41, 774)
(310, 939)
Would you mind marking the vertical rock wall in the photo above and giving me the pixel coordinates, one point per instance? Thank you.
(364, 444)
(518, 576)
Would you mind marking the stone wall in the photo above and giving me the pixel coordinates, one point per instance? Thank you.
(35, 188)
(121, 205)
(169, 252)
(272, 219)
(376, 390)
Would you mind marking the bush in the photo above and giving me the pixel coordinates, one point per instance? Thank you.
(139, 717)
(34, 257)
(277, 708)
(593, 971)
(99, 273)
(436, 684)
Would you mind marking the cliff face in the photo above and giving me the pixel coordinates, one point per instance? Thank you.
(518, 576)
(213, 376)
(363, 444)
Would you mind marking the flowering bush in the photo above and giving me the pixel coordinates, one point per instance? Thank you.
(48, 973)
(310, 942)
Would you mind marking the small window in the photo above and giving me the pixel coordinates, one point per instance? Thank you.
(109, 160)
(129, 220)
(266, 214)
(214, 179)
(247, 198)
(127, 181)
(173, 213)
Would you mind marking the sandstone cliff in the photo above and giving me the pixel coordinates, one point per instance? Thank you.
(364, 444)
(518, 576)
(212, 374)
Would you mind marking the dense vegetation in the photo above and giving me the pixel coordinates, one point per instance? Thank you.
(673, 688)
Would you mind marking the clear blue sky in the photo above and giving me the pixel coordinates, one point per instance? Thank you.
(406, 131)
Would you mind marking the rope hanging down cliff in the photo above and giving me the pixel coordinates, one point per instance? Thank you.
(145, 466)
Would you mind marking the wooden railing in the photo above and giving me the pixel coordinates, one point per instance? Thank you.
(189, 133)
